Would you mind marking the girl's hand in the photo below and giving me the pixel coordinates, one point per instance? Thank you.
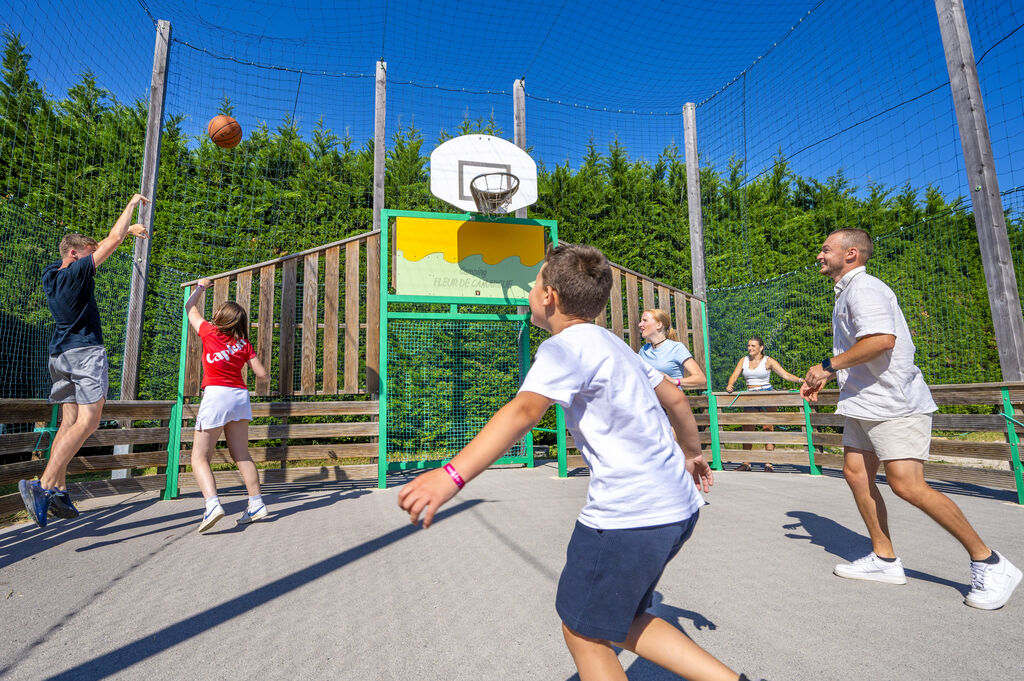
(205, 283)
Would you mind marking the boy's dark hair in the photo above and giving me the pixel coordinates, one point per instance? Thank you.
(582, 277)
(231, 320)
(79, 242)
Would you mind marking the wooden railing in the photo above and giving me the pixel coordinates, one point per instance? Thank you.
(632, 293)
(991, 462)
(345, 435)
(314, 316)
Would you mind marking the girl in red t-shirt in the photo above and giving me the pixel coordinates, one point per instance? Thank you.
(225, 405)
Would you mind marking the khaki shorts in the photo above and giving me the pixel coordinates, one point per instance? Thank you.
(79, 375)
(908, 437)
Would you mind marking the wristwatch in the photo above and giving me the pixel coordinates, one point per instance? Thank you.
(826, 364)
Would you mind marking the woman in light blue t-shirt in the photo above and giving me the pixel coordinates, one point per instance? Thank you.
(664, 352)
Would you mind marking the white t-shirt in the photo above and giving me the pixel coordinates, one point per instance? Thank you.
(890, 386)
(638, 473)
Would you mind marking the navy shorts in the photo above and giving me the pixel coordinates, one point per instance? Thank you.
(610, 575)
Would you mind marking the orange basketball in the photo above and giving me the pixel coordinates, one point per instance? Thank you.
(224, 131)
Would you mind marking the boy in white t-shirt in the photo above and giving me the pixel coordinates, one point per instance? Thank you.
(642, 502)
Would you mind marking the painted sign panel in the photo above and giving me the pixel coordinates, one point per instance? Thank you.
(470, 259)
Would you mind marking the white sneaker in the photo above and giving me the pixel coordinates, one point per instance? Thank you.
(874, 569)
(252, 516)
(211, 518)
(991, 585)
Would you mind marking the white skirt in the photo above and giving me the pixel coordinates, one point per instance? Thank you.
(222, 405)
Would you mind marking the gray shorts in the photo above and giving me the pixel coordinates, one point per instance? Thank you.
(79, 375)
(908, 437)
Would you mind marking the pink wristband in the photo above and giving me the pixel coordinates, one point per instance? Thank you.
(456, 478)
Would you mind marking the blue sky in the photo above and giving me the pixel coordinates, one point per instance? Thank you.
(829, 84)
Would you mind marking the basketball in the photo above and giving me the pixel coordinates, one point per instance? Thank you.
(224, 131)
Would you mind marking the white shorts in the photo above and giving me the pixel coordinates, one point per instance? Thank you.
(908, 437)
(222, 405)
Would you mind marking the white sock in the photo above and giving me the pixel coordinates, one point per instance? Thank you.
(211, 503)
(255, 502)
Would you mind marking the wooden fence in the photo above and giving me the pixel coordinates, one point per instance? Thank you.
(314, 317)
(991, 461)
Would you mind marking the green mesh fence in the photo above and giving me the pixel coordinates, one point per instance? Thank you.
(446, 378)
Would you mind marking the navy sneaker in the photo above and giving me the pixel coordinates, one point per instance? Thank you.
(36, 499)
(61, 506)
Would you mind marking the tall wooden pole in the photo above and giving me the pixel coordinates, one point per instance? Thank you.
(700, 285)
(996, 257)
(140, 260)
(150, 168)
(519, 102)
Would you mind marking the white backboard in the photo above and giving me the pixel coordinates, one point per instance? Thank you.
(454, 164)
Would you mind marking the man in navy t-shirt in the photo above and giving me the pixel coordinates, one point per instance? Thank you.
(78, 360)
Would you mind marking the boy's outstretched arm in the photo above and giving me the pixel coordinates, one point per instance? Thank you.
(680, 416)
(429, 491)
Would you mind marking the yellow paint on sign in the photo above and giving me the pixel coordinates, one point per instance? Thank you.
(456, 240)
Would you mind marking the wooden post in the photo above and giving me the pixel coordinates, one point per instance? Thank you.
(519, 102)
(700, 285)
(996, 257)
(379, 111)
(140, 261)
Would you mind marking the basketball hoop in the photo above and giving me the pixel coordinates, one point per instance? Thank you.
(493, 191)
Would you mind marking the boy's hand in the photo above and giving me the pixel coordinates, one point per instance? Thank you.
(139, 231)
(703, 477)
(426, 494)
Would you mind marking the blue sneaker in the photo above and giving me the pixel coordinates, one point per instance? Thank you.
(36, 499)
(61, 506)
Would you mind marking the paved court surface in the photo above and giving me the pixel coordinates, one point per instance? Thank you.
(337, 585)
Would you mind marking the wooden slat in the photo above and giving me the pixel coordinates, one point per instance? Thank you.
(137, 410)
(286, 332)
(265, 329)
(986, 477)
(775, 398)
(221, 291)
(282, 409)
(243, 296)
(330, 380)
(16, 443)
(350, 379)
(126, 436)
(633, 313)
(373, 314)
(648, 287)
(999, 451)
(601, 319)
(269, 476)
(761, 418)
(310, 314)
(193, 355)
(663, 300)
(616, 303)
(774, 437)
(25, 411)
(681, 325)
(350, 450)
(299, 431)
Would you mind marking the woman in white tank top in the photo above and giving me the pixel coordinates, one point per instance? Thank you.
(757, 369)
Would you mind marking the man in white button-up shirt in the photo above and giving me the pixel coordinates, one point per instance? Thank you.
(888, 410)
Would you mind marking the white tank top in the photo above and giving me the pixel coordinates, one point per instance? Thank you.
(759, 376)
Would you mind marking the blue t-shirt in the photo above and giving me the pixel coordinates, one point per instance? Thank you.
(667, 358)
(69, 295)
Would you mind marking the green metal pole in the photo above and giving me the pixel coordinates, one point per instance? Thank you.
(815, 468)
(382, 418)
(1014, 440)
(174, 425)
(51, 429)
(716, 444)
(563, 463)
(524, 366)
